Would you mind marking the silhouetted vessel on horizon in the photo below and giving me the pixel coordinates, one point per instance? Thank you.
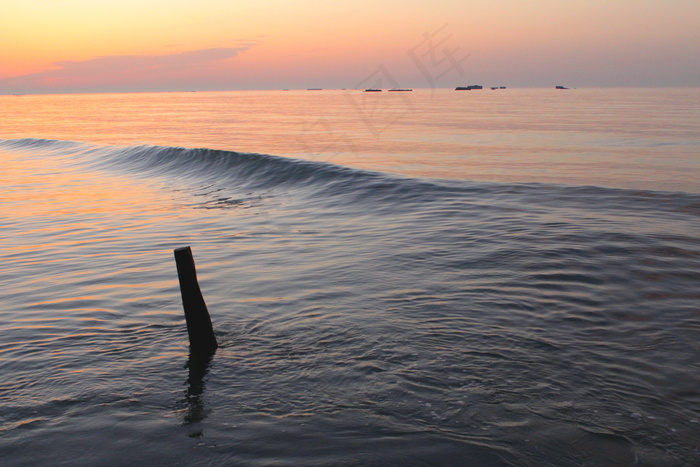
(468, 88)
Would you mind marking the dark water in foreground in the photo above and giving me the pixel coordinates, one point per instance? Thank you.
(364, 318)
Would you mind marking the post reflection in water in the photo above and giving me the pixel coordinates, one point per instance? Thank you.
(192, 406)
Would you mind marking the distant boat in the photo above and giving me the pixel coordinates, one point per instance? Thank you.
(498, 87)
(468, 88)
(373, 90)
(501, 87)
(561, 87)
(400, 90)
(314, 89)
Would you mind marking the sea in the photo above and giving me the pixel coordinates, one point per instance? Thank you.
(433, 277)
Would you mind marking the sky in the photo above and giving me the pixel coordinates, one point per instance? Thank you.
(67, 46)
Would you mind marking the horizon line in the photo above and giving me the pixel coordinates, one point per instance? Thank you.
(486, 88)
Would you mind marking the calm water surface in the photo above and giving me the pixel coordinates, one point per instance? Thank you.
(499, 278)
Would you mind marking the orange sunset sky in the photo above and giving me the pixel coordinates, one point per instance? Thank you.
(57, 46)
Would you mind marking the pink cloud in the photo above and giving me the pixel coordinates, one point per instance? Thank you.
(178, 71)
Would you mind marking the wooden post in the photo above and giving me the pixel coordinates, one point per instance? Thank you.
(199, 328)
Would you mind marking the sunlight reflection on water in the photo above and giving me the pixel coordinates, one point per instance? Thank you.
(627, 138)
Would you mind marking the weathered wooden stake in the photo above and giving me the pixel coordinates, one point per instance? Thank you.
(199, 328)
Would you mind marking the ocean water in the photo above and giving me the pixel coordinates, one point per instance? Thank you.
(498, 278)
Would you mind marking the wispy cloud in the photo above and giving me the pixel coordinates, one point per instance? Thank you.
(130, 72)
